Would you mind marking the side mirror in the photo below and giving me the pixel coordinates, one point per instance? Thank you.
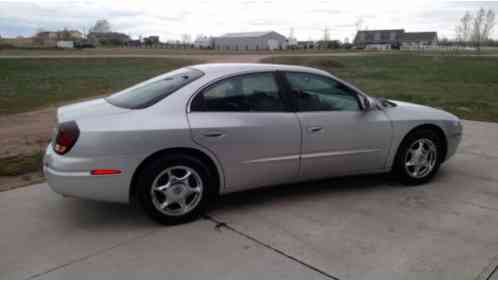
(365, 103)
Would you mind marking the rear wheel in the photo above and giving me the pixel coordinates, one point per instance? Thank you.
(419, 157)
(175, 189)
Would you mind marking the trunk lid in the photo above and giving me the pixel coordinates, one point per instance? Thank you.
(92, 108)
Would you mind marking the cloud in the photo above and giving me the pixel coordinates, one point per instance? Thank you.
(170, 19)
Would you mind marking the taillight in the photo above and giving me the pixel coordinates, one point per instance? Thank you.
(67, 135)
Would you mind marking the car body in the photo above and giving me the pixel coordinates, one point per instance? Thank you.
(276, 143)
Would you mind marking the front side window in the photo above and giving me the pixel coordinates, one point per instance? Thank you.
(319, 93)
(152, 91)
(251, 92)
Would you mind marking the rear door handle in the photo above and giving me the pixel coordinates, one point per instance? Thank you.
(315, 129)
(213, 134)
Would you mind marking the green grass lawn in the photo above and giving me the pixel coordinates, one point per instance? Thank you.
(28, 84)
(465, 86)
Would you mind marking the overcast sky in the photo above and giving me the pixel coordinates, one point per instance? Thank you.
(171, 19)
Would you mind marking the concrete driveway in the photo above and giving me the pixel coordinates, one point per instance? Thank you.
(361, 227)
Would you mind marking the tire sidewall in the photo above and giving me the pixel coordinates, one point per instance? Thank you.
(154, 168)
(399, 167)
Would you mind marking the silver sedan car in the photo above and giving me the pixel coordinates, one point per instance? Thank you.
(174, 143)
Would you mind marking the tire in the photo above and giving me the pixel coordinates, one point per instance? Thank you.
(409, 159)
(163, 182)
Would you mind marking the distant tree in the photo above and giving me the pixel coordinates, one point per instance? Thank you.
(291, 33)
(84, 31)
(186, 40)
(476, 29)
(464, 28)
(326, 34)
(359, 24)
(101, 26)
(489, 24)
(483, 24)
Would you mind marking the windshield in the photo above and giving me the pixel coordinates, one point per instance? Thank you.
(152, 91)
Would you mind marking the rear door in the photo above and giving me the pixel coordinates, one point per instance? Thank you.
(339, 138)
(245, 122)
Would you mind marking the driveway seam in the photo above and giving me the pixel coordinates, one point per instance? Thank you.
(489, 270)
(220, 224)
(94, 254)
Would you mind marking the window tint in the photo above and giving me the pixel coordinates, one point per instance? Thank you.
(319, 93)
(251, 92)
(151, 91)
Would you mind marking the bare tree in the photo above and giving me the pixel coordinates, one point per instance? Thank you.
(85, 31)
(326, 34)
(489, 24)
(464, 28)
(186, 38)
(482, 26)
(477, 26)
(476, 29)
(359, 24)
(291, 33)
(101, 26)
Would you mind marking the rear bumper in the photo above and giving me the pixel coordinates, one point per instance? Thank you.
(70, 176)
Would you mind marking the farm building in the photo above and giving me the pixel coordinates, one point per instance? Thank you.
(266, 40)
(393, 38)
(418, 39)
(379, 38)
(203, 42)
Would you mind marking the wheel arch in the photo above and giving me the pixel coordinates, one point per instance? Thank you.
(427, 126)
(193, 152)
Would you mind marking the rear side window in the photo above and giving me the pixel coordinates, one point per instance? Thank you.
(152, 91)
(250, 92)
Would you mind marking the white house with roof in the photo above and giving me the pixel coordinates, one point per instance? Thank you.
(250, 41)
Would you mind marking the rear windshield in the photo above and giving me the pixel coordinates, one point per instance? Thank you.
(152, 91)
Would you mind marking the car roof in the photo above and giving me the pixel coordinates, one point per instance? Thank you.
(222, 69)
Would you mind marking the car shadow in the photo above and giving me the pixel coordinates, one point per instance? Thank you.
(102, 215)
(94, 214)
(304, 190)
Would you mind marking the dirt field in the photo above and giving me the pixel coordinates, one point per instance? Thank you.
(25, 133)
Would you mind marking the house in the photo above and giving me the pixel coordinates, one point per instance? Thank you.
(47, 35)
(151, 40)
(50, 38)
(60, 35)
(109, 38)
(263, 40)
(65, 44)
(305, 44)
(393, 38)
(134, 43)
(419, 39)
(389, 38)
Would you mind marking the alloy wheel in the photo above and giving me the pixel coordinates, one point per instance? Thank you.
(177, 190)
(420, 158)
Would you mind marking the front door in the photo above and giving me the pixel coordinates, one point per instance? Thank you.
(245, 123)
(339, 138)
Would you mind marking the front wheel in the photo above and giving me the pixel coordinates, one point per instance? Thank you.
(175, 189)
(419, 157)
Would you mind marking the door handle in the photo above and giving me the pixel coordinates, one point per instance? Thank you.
(213, 134)
(315, 129)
